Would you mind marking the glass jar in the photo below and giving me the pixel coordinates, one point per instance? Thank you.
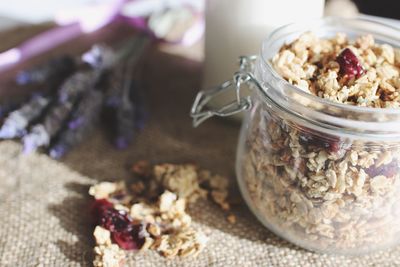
(322, 175)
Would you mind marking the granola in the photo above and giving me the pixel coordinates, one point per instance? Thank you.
(361, 73)
(318, 190)
(150, 213)
(106, 253)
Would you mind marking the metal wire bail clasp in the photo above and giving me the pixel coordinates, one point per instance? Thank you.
(244, 76)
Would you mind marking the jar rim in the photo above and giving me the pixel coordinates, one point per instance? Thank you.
(390, 115)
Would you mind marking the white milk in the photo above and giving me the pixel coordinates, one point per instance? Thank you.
(238, 27)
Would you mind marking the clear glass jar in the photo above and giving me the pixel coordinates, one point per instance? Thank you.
(322, 175)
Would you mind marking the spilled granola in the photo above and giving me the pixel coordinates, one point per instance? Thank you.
(318, 190)
(150, 213)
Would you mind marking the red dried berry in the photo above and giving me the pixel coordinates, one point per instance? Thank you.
(127, 235)
(311, 138)
(98, 208)
(131, 238)
(349, 64)
(115, 220)
(125, 240)
(388, 170)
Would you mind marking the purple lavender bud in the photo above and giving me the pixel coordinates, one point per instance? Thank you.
(22, 78)
(17, 121)
(28, 146)
(51, 71)
(37, 137)
(121, 142)
(58, 151)
(75, 123)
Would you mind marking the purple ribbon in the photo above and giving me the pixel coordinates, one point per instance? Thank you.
(91, 19)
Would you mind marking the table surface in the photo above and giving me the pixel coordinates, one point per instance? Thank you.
(43, 203)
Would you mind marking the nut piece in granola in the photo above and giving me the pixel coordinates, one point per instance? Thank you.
(102, 236)
(182, 179)
(106, 253)
(105, 189)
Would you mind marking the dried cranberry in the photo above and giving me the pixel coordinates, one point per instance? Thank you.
(349, 64)
(123, 232)
(115, 220)
(98, 207)
(131, 238)
(388, 170)
(310, 138)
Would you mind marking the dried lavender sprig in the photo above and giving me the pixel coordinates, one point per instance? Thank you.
(17, 121)
(80, 124)
(130, 118)
(13, 103)
(41, 134)
(124, 111)
(124, 126)
(120, 108)
(54, 119)
(75, 85)
(53, 70)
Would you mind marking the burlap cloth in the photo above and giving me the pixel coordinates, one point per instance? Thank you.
(43, 203)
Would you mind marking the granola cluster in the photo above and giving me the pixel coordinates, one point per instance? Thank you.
(150, 213)
(317, 190)
(107, 254)
(361, 73)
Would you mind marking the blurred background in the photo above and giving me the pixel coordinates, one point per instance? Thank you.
(15, 12)
(212, 32)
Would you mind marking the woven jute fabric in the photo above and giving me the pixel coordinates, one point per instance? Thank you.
(44, 217)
